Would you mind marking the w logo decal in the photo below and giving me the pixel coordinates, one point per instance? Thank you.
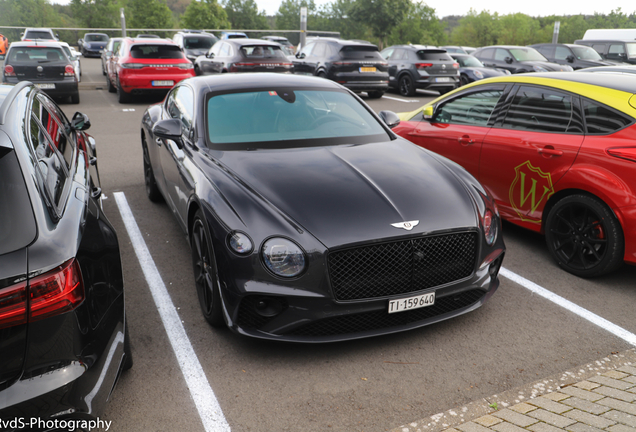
(529, 191)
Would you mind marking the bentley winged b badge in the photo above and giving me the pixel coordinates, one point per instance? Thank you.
(406, 225)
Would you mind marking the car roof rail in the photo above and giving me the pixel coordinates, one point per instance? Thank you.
(6, 103)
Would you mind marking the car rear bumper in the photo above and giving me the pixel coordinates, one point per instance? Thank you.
(51, 87)
(143, 83)
(431, 82)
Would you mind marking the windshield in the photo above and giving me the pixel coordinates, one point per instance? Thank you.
(360, 52)
(469, 61)
(262, 51)
(285, 115)
(39, 54)
(39, 35)
(631, 49)
(527, 54)
(156, 52)
(586, 53)
(95, 38)
(199, 42)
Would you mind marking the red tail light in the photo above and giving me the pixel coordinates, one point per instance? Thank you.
(9, 71)
(456, 65)
(628, 153)
(13, 305)
(58, 291)
(69, 70)
(423, 65)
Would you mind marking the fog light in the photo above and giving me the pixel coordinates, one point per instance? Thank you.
(268, 307)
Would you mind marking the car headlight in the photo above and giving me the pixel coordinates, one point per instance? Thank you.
(240, 243)
(283, 257)
(490, 227)
(567, 68)
(478, 74)
(539, 69)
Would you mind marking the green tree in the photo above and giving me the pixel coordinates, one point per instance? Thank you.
(334, 17)
(205, 14)
(477, 29)
(421, 26)
(244, 14)
(518, 29)
(288, 15)
(381, 16)
(148, 14)
(96, 13)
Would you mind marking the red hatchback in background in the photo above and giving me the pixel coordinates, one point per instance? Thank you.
(147, 66)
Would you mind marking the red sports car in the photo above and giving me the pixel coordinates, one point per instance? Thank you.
(147, 66)
(557, 152)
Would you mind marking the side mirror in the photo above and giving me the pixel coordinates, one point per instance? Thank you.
(80, 121)
(210, 55)
(570, 58)
(168, 129)
(508, 60)
(428, 112)
(390, 118)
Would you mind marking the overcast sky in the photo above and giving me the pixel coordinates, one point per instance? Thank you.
(503, 7)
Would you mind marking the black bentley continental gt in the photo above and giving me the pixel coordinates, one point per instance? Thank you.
(63, 337)
(309, 219)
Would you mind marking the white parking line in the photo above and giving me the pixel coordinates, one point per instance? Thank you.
(400, 100)
(204, 399)
(583, 313)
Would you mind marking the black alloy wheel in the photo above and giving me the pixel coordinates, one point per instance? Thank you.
(584, 236)
(152, 190)
(405, 86)
(206, 278)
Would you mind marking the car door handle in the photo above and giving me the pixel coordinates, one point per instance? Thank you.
(548, 151)
(465, 140)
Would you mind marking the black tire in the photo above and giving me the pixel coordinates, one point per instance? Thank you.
(103, 69)
(152, 190)
(405, 86)
(584, 237)
(445, 90)
(75, 99)
(321, 74)
(463, 80)
(111, 87)
(122, 96)
(128, 358)
(375, 94)
(197, 71)
(206, 278)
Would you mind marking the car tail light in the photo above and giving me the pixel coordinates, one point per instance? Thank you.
(423, 65)
(343, 63)
(456, 65)
(185, 65)
(132, 65)
(13, 305)
(58, 291)
(235, 67)
(9, 71)
(69, 71)
(628, 153)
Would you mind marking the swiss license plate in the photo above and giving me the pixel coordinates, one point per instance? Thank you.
(45, 86)
(367, 69)
(409, 303)
(163, 83)
(443, 79)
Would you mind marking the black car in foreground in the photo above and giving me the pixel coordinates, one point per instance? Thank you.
(63, 332)
(46, 65)
(243, 55)
(356, 65)
(577, 56)
(517, 59)
(309, 220)
(471, 69)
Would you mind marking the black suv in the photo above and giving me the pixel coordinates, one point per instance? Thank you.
(194, 43)
(418, 66)
(357, 66)
(517, 59)
(613, 50)
(577, 56)
(45, 64)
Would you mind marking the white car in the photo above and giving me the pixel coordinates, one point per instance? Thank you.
(74, 56)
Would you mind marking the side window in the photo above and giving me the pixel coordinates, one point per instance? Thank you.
(319, 50)
(56, 126)
(601, 119)
(562, 53)
(541, 110)
(225, 50)
(487, 53)
(546, 50)
(307, 50)
(386, 54)
(216, 48)
(471, 109)
(180, 105)
(501, 54)
(600, 48)
(616, 49)
(400, 54)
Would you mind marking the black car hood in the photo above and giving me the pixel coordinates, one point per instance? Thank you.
(546, 65)
(353, 193)
(592, 63)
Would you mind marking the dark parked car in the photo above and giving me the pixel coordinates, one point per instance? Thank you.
(111, 47)
(577, 56)
(194, 43)
(243, 55)
(63, 330)
(92, 44)
(471, 69)
(298, 231)
(418, 66)
(517, 59)
(613, 50)
(356, 65)
(619, 69)
(46, 65)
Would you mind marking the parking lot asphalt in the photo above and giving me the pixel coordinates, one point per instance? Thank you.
(518, 339)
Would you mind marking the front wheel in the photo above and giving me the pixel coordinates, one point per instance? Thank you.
(584, 236)
(152, 190)
(406, 86)
(206, 278)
